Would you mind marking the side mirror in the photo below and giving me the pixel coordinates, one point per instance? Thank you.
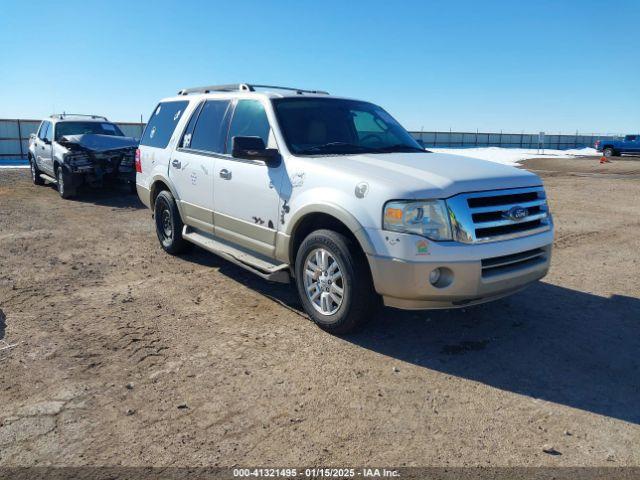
(253, 148)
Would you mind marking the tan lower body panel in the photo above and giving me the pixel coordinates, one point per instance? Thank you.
(196, 216)
(246, 234)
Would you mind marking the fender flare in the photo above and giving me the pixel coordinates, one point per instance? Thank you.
(337, 212)
(161, 178)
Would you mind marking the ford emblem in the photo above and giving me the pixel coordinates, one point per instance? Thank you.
(516, 213)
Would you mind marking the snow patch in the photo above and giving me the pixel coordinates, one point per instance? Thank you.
(511, 156)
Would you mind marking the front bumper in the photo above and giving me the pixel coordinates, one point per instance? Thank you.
(98, 167)
(405, 283)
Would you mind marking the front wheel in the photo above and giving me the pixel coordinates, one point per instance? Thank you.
(65, 188)
(169, 224)
(334, 282)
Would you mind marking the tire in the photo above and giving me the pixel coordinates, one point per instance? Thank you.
(341, 304)
(169, 224)
(35, 172)
(609, 152)
(65, 188)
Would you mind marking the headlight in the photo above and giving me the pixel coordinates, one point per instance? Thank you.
(424, 217)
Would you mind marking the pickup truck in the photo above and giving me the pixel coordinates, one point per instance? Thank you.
(615, 148)
(69, 150)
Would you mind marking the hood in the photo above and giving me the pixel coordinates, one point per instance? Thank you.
(433, 175)
(98, 143)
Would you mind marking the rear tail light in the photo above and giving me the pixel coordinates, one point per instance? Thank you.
(138, 163)
(597, 144)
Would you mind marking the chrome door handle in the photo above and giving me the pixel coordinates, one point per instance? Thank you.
(226, 174)
(176, 163)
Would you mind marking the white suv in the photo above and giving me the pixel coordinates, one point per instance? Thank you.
(335, 194)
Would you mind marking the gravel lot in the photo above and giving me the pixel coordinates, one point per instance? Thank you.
(126, 356)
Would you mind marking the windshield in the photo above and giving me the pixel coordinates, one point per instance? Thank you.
(80, 128)
(331, 126)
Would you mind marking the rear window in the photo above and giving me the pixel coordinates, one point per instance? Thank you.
(209, 132)
(162, 123)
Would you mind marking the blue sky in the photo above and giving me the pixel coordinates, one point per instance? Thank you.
(558, 66)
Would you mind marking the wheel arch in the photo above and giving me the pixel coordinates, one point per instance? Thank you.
(159, 183)
(324, 216)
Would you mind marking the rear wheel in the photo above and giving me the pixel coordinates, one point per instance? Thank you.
(609, 152)
(334, 282)
(35, 172)
(169, 224)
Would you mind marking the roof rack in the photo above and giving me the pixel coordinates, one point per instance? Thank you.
(64, 114)
(244, 87)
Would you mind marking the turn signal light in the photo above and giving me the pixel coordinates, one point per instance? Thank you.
(394, 213)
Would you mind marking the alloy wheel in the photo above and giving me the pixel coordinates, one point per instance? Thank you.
(323, 281)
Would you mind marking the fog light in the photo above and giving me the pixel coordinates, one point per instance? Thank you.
(434, 276)
(441, 277)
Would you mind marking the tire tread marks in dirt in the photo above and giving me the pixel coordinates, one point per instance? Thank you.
(141, 344)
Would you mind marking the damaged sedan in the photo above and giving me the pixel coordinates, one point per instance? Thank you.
(72, 150)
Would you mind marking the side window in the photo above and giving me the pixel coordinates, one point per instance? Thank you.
(185, 141)
(48, 135)
(249, 120)
(208, 134)
(42, 132)
(162, 123)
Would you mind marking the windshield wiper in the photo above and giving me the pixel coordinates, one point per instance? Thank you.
(399, 147)
(332, 146)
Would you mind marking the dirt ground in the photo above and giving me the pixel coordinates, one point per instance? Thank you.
(125, 355)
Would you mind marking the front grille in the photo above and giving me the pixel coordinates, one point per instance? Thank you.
(489, 232)
(476, 202)
(509, 263)
(499, 214)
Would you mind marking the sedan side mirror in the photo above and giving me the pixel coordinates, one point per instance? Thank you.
(253, 148)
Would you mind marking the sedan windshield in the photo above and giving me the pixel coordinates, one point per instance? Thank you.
(80, 128)
(331, 126)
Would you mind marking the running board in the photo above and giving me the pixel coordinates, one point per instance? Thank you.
(49, 179)
(261, 266)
